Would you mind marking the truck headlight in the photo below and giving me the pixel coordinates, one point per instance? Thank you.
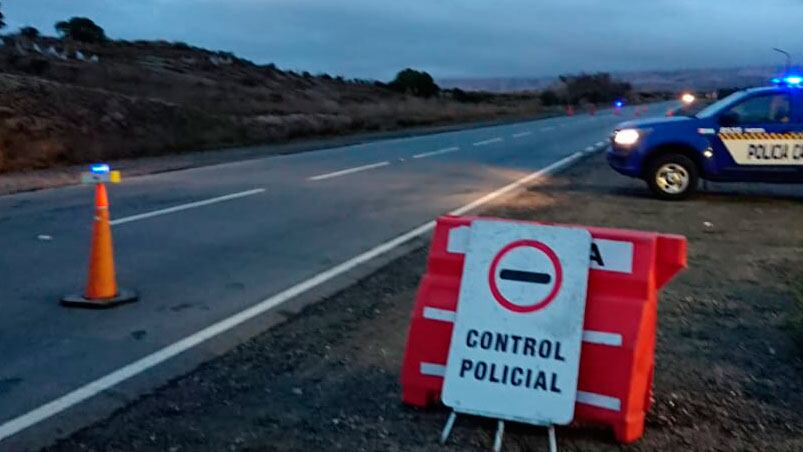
(626, 137)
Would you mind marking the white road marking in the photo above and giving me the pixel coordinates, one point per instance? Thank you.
(356, 169)
(44, 237)
(521, 134)
(600, 143)
(589, 148)
(110, 380)
(438, 152)
(181, 207)
(490, 141)
(546, 129)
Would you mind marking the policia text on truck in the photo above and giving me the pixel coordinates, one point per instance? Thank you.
(754, 135)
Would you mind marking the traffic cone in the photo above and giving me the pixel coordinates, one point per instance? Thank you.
(101, 286)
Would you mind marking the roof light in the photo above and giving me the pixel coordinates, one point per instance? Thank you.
(618, 104)
(99, 168)
(793, 79)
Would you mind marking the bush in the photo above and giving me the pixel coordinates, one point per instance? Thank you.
(81, 29)
(417, 83)
(181, 45)
(549, 97)
(29, 32)
(594, 88)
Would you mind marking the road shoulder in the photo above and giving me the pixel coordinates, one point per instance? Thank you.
(729, 375)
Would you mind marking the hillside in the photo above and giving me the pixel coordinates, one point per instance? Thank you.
(64, 102)
(669, 80)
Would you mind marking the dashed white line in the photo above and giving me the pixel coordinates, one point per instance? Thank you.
(490, 141)
(600, 143)
(438, 152)
(190, 205)
(356, 169)
(547, 129)
(589, 148)
(521, 134)
(122, 374)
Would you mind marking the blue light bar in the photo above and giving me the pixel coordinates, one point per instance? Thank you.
(99, 168)
(793, 79)
(618, 104)
(776, 80)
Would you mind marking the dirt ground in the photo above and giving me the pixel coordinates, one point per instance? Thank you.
(729, 374)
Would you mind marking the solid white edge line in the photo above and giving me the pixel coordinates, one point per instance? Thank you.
(489, 141)
(521, 134)
(181, 207)
(438, 152)
(513, 186)
(141, 365)
(546, 129)
(356, 169)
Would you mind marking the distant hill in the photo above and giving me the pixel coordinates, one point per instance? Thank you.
(671, 80)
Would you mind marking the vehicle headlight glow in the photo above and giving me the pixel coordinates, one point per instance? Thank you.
(687, 98)
(626, 137)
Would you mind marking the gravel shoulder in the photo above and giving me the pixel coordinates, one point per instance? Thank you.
(729, 373)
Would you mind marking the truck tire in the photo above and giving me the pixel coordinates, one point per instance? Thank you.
(672, 176)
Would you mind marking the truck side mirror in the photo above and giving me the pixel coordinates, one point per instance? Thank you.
(729, 119)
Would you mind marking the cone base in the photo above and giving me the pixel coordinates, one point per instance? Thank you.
(79, 301)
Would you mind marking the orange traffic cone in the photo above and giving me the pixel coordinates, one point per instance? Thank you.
(101, 286)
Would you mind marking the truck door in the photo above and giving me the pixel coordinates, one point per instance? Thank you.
(759, 139)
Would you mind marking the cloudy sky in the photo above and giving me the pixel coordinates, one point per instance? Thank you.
(452, 38)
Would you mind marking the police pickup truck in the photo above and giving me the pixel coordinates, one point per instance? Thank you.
(754, 135)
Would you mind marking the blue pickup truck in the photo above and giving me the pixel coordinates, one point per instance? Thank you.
(754, 135)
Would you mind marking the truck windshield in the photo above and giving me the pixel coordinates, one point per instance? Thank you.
(714, 108)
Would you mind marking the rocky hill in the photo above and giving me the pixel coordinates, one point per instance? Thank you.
(64, 102)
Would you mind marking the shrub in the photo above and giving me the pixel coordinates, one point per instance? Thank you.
(594, 88)
(29, 32)
(81, 29)
(417, 83)
(549, 97)
(181, 45)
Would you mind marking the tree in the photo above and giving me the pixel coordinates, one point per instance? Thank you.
(81, 29)
(29, 32)
(594, 88)
(2, 19)
(417, 83)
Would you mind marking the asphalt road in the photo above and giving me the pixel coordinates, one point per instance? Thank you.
(232, 236)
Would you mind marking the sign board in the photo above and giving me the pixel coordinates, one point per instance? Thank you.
(515, 348)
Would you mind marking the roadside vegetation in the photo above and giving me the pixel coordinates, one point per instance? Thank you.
(83, 96)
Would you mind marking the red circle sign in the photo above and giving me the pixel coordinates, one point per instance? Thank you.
(546, 277)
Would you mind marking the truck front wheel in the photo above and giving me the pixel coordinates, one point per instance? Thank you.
(672, 176)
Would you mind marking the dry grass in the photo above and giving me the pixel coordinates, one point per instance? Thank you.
(153, 98)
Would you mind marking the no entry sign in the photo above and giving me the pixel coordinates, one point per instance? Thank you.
(515, 348)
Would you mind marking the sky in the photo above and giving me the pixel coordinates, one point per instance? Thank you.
(452, 38)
